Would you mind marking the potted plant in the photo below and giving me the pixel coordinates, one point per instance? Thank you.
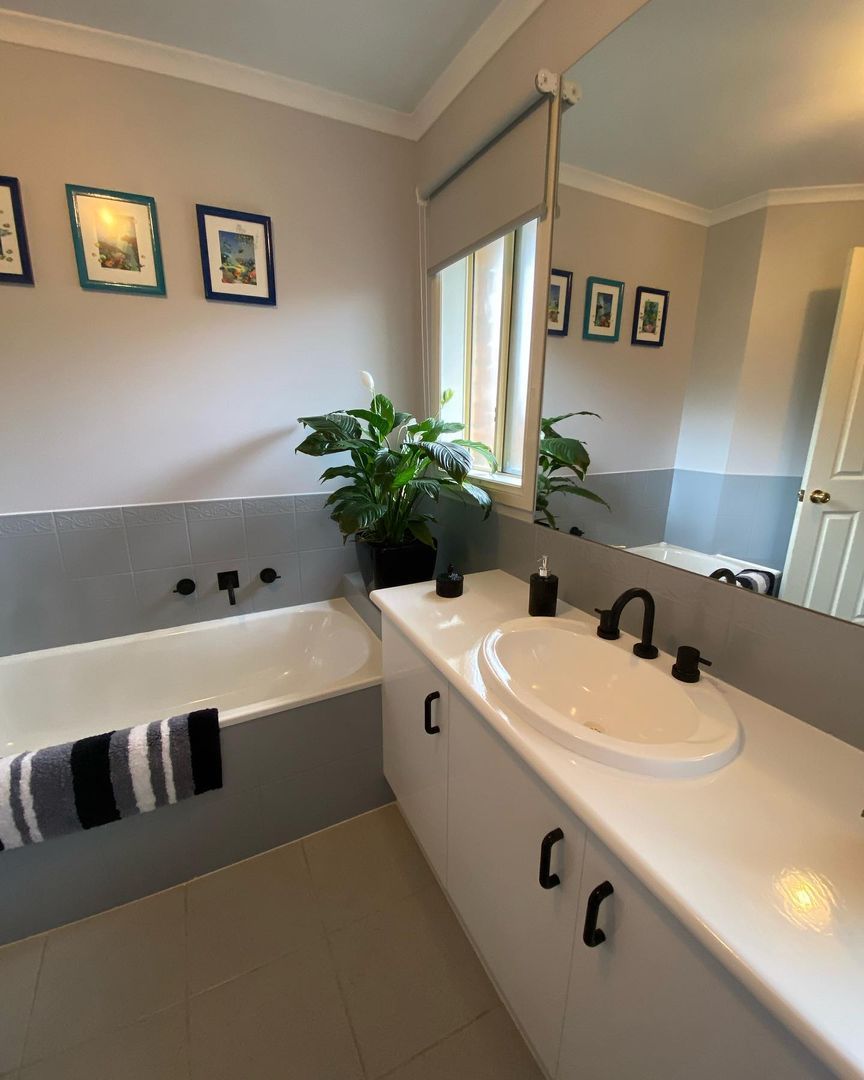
(396, 466)
(557, 455)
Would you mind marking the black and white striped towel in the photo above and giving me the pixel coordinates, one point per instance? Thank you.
(103, 778)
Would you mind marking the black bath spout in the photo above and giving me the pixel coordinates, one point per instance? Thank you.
(724, 574)
(611, 617)
(228, 581)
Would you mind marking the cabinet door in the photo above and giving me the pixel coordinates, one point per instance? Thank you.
(650, 1002)
(415, 701)
(498, 816)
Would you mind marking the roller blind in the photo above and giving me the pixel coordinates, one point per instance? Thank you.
(503, 186)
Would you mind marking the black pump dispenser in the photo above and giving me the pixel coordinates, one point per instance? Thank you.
(543, 591)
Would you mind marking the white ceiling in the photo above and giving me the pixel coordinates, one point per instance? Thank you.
(712, 101)
(387, 52)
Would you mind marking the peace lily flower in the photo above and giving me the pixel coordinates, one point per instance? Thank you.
(367, 381)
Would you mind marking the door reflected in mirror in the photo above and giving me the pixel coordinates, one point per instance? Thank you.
(710, 413)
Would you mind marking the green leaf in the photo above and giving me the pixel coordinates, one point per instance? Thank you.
(452, 458)
(401, 418)
(373, 419)
(420, 530)
(549, 421)
(334, 423)
(315, 445)
(574, 489)
(384, 407)
(479, 495)
(481, 448)
(566, 452)
(385, 465)
(425, 485)
(340, 470)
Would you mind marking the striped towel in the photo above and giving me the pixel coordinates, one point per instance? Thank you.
(82, 784)
(761, 581)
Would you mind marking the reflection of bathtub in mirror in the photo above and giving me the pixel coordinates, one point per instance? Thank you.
(697, 561)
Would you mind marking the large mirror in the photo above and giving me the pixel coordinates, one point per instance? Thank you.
(707, 298)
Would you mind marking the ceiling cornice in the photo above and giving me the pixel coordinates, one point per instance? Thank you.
(598, 184)
(34, 31)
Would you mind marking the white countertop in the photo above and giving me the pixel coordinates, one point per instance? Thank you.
(762, 860)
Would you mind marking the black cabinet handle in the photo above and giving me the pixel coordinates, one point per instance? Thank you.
(431, 729)
(547, 880)
(591, 935)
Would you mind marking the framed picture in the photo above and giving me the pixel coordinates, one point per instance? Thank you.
(560, 289)
(604, 300)
(15, 266)
(236, 256)
(116, 238)
(649, 316)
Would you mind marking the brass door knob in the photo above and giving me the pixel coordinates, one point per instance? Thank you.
(819, 496)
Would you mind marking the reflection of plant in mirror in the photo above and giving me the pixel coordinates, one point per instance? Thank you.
(395, 462)
(557, 454)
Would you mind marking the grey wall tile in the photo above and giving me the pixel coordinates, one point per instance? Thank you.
(217, 538)
(693, 506)
(271, 534)
(104, 606)
(91, 552)
(316, 530)
(270, 504)
(283, 592)
(312, 501)
(25, 524)
(155, 514)
(152, 547)
(214, 510)
(321, 572)
(159, 606)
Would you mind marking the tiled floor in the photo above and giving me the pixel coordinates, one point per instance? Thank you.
(333, 958)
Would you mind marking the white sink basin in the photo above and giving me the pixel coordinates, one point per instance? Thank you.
(597, 698)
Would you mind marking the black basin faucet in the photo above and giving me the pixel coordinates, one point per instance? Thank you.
(611, 617)
(228, 580)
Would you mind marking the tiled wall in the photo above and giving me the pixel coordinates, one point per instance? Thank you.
(807, 664)
(82, 575)
(747, 517)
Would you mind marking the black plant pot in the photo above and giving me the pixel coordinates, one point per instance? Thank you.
(386, 565)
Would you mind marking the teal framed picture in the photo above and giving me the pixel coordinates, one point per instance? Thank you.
(116, 239)
(604, 299)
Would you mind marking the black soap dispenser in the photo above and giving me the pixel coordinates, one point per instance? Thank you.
(543, 590)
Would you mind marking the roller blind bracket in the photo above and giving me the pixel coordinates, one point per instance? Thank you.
(571, 92)
(547, 82)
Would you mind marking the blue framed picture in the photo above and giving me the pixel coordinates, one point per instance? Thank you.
(649, 316)
(15, 265)
(116, 238)
(236, 256)
(560, 292)
(604, 299)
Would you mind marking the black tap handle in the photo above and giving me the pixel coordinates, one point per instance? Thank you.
(268, 575)
(686, 666)
(607, 628)
(185, 586)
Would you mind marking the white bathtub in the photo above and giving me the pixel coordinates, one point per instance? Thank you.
(246, 666)
(696, 561)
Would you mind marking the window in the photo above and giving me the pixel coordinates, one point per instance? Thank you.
(485, 302)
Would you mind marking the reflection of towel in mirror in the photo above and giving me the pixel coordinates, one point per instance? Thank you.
(761, 581)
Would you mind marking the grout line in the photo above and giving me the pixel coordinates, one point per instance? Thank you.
(438, 1042)
(32, 1009)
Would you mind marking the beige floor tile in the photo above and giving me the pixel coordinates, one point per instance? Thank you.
(249, 914)
(364, 865)
(19, 967)
(489, 1049)
(152, 1049)
(108, 971)
(410, 977)
(284, 1021)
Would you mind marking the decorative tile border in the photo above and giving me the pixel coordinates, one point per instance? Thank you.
(277, 504)
(26, 524)
(162, 514)
(304, 503)
(89, 519)
(211, 511)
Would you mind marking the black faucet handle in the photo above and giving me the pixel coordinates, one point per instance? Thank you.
(185, 586)
(608, 628)
(686, 666)
(268, 575)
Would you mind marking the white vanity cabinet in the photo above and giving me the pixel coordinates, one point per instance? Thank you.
(650, 1002)
(415, 700)
(507, 833)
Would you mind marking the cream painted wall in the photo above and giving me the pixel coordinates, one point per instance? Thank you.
(112, 399)
(801, 269)
(638, 391)
(722, 325)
